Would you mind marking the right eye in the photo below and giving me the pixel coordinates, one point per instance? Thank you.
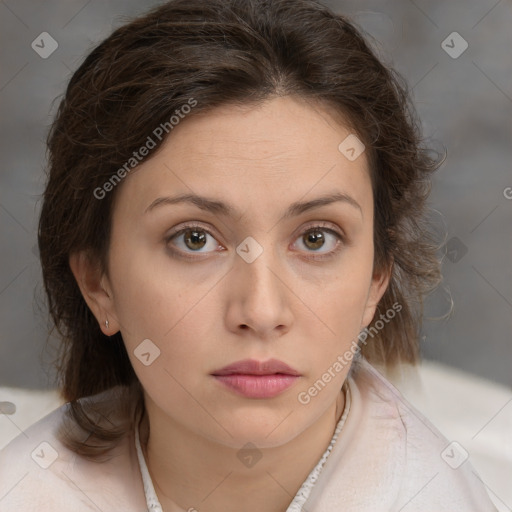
(192, 238)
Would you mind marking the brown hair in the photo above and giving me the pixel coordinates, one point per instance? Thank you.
(219, 52)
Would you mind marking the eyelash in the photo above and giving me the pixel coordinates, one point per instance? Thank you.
(319, 227)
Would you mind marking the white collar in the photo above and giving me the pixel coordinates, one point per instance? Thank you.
(302, 494)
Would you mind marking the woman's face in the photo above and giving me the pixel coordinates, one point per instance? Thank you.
(257, 277)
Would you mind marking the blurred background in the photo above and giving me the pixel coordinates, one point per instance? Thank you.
(456, 58)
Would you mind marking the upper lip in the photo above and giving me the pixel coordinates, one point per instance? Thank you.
(253, 367)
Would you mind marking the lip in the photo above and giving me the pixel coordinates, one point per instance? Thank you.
(257, 379)
(253, 367)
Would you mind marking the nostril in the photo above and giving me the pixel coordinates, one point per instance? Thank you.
(7, 408)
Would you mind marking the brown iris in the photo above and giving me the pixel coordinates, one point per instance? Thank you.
(195, 237)
(316, 238)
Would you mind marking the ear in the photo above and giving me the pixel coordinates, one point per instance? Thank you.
(96, 291)
(378, 286)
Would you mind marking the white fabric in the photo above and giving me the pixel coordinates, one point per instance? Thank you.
(387, 458)
(302, 494)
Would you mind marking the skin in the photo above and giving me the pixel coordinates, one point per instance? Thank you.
(208, 312)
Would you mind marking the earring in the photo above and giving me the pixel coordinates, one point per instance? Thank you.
(106, 323)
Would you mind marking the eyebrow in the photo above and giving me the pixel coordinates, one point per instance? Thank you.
(220, 208)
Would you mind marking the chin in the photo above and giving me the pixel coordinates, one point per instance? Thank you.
(264, 429)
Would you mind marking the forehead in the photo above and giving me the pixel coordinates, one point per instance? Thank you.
(277, 152)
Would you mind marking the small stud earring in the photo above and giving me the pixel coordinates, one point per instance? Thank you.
(106, 323)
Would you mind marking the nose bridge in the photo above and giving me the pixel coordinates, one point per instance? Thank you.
(259, 288)
(256, 259)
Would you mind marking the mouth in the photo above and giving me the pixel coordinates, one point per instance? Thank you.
(254, 379)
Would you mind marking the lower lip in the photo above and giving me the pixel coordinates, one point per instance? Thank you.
(257, 386)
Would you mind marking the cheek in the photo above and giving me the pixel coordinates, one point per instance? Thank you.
(341, 305)
(155, 301)
(143, 301)
(345, 291)
(342, 313)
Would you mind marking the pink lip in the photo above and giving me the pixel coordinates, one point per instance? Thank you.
(255, 379)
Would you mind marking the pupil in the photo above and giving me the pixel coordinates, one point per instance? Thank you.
(316, 237)
(195, 237)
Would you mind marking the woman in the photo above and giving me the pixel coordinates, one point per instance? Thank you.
(232, 235)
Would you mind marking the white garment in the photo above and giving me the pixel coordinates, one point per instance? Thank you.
(387, 458)
(299, 499)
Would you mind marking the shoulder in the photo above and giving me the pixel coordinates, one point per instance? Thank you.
(436, 472)
(32, 467)
(38, 472)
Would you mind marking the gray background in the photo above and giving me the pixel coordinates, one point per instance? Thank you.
(465, 104)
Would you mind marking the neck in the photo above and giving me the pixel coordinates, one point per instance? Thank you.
(192, 471)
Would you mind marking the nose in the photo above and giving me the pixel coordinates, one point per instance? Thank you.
(259, 299)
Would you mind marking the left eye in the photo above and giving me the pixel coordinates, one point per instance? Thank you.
(194, 238)
(314, 238)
